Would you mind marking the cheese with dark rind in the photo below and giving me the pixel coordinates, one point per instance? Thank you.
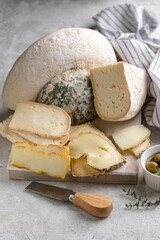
(137, 151)
(80, 168)
(101, 153)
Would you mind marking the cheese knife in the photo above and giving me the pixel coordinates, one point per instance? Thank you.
(97, 205)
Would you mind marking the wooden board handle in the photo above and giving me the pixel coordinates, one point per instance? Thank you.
(97, 205)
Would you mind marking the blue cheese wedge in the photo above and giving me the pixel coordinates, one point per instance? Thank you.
(72, 91)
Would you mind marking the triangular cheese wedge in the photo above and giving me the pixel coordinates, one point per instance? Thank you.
(119, 90)
(101, 153)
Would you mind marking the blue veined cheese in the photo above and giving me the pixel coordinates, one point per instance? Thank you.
(72, 91)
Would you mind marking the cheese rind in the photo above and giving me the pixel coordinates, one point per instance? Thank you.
(119, 90)
(45, 121)
(101, 153)
(87, 127)
(130, 137)
(51, 163)
(80, 168)
(52, 55)
(137, 151)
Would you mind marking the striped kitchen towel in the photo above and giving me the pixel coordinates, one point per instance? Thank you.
(129, 29)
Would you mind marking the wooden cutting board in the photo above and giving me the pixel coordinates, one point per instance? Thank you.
(127, 174)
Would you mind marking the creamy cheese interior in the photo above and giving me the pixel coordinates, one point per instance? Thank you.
(110, 88)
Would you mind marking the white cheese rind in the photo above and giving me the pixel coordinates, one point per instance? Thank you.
(52, 55)
(130, 137)
(119, 90)
(137, 80)
(46, 121)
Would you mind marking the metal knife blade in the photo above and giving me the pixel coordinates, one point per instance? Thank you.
(58, 193)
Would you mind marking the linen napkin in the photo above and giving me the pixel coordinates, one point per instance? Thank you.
(129, 29)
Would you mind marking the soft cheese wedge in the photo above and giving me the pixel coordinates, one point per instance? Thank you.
(80, 168)
(130, 137)
(10, 135)
(41, 159)
(43, 120)
(137, 151)
(101, 153)
(119, 90)
(87, 127)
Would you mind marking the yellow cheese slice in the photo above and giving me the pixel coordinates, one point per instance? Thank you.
(130, 137)
(51, 163)
(81, 168)
(101, 153)
(137, 151)
(87, 127)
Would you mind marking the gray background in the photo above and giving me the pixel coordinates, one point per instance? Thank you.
(25, 215)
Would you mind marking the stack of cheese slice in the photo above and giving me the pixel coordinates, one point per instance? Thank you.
(37, 123)
(92, 153)
(133, 138)
(119, 90)
(52, 160)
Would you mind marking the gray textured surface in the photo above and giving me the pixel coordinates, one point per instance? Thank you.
(25, 215)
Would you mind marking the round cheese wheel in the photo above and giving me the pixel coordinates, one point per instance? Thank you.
(72, 91)
(52, 55)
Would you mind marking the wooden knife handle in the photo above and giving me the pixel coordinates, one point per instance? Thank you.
(97, 205)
